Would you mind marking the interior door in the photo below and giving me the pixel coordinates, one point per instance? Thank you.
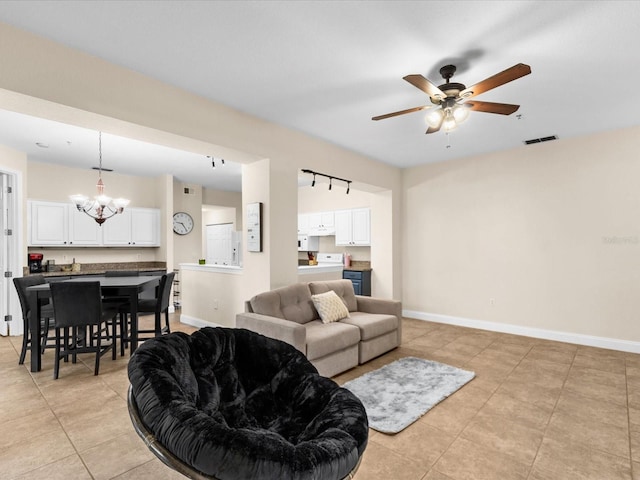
(10, 314)
(220, 244)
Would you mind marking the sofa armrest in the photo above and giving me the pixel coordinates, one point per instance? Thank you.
(379, 305)
(291, 332)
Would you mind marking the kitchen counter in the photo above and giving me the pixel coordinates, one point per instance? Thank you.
(101, 268)
(311, 269)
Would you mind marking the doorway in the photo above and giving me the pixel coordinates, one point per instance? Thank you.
(222, 245)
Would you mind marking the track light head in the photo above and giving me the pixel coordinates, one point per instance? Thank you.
(348, 187)
(222, 160)
(313, 183)
(330, 180)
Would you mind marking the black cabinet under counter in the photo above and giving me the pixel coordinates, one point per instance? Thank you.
(361, 280)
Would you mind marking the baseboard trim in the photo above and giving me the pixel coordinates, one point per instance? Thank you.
(575, 338)
(196, 322)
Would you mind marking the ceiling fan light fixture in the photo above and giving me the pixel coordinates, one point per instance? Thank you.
(434, 117)
(449, 122)
(460, 113)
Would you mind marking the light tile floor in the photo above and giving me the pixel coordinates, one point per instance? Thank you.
(537, 410)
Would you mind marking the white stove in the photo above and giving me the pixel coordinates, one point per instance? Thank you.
(329, 267)
(329, 259)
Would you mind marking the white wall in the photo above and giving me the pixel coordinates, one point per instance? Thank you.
(542, 237)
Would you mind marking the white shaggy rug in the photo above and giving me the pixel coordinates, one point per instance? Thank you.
(398, 394)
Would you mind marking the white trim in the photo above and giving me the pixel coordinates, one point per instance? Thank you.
(568, 337)
(229, 269)
(196, 322)
(14, 264)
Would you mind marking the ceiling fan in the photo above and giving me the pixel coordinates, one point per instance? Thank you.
(450, 97)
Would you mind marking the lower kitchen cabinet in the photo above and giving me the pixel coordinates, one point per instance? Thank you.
(361, 280)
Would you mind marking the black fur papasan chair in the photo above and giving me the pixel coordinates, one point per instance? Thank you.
(231, 404)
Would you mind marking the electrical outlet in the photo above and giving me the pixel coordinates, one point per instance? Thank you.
(215, 304)
(492, 302)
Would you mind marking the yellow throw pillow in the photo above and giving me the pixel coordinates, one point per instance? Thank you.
(330, 306)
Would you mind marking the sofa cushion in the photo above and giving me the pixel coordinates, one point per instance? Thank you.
(330, 306)
(344, 289)
(291, 303)
(326, 338)
(372, 325)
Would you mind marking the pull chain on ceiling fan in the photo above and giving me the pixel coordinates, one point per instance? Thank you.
(449, 98)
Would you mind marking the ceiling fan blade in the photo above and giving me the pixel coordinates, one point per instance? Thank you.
(401, 112)
(491, 107)
(425, 85)
(434, 129)
(506, 76)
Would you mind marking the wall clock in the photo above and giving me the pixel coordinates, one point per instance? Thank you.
(182, 223)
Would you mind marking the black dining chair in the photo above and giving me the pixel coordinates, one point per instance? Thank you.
(46, 318)
(156, 306)
(79, 306)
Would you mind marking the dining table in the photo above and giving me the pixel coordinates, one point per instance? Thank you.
(126, 287)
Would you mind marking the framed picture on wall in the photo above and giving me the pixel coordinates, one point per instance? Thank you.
(254, 227)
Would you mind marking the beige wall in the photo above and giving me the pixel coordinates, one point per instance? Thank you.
(187, 248)
(129, 101)
(221, 198)
(544, 236)
(320, 199)
(55, 183)
(14, 162)
(210, 297)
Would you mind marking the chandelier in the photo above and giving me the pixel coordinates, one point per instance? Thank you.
(101, 207)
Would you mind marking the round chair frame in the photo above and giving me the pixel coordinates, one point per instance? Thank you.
(168, 458)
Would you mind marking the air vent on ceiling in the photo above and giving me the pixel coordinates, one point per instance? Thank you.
(103, 169)
(540, 140)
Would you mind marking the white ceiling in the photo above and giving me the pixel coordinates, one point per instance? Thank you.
(325, 68)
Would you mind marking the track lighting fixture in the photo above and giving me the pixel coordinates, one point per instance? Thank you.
(213, 161)
(330, 177)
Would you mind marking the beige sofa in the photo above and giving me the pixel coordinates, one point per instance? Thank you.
(374, 325)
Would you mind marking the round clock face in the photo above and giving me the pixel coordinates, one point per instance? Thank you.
(182, 223)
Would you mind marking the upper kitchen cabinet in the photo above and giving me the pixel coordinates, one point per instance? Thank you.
(321, 223)
(55, 224)
(353, 227)
(60, 224)
(303, 223)
(48, 223)
(136, 227)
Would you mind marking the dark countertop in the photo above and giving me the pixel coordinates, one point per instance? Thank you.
(101, 268)
(359, 266)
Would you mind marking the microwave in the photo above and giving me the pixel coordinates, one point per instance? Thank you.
(308, 244)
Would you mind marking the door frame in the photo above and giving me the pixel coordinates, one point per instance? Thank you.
(11, 248)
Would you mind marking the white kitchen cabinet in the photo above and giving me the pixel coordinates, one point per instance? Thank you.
(303, 223)
(117, 230)
(139, 227)
(83, 229)
(145, 227)
(54, 224)
(48, 223)
(353, 227)
(321, 223)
